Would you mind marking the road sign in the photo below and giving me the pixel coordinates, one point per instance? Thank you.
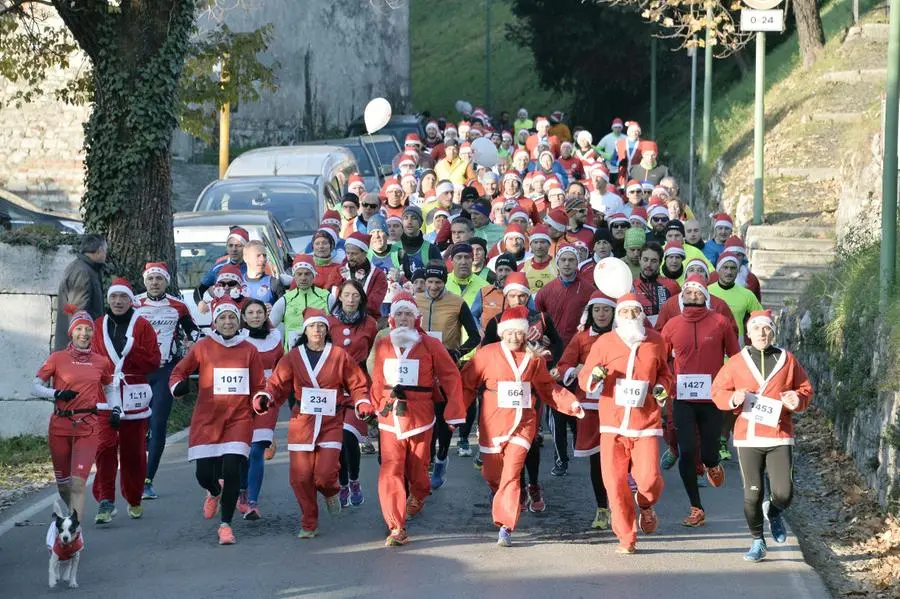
(762, 20)
(762, 4)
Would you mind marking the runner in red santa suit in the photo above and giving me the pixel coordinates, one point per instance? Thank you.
(130, 343)
(505, 373)
(230, 373)
(353, 330)
(268, 342)
(230, 285)
(75, 379)
(699, 341)
(630, 367)
(408, 364)
(319, 374)
(373, 280)
(766, 386)
(599, 318)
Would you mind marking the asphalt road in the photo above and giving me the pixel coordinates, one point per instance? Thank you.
(172, 550)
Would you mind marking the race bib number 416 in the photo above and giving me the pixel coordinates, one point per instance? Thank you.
(630, 394)
(231, 381)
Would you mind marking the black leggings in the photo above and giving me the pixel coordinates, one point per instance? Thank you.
(465, 429)
(728, 420)
(691, 416)
(559, 422)
(597, 482)
(440, 442)
(228, 468)
(350, 456)
(755, 463)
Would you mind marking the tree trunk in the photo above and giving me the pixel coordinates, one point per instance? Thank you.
(137, 54)
(809, 30)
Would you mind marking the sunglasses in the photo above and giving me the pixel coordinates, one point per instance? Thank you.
(659, 219)
(228, 284)
(369, 205)
(620, 226)
(633, 192)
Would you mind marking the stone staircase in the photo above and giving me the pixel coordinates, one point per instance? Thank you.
(787, 258)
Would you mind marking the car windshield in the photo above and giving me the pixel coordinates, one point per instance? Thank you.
(194, 259)
(295, 206)
(386, 151)
(362, 159)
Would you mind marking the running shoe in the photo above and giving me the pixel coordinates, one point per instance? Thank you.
(397, 538)
(307, 534)
(701, 481)
(776, 524)
(724, 453)
(414, 507)
(439, 474)
(625, 549)
(243, 503)
(367, 447)
(697, 517)
(647, 520)
(536, 503)
(716, 475)
(601, 519)
(504, 538)
(345, 496)
(135, 511)
(757, 551)
(463, 449)
(149, 491)
(356, 494)
(478, 463)
(226, 535)
(333, 505)
(668, 459)
(106, 512)
(210, 506)
(253, 513)
(560, 468)
(269, 453)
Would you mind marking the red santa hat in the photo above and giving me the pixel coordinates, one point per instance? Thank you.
(77, 317)
(540, 232)
(557, 219)
(465, 146)
(696, 261)
(541, 120)
(331, 218)
(633, 125)
(513, 319)
(513, 175)
(633, 185)
(516, 281)
(156, 268)
(657, 208)
(514, 230)
(314, 315)
(327, 232)
(516, 155)
(403, 300)
(120, 285)
(432, 125)
(629, 300)
(355, 180)
(303, 261)
(639, 214)
(761, 318)
(617, 217)
(553, 185)
(517, 213)
(674, 248)
(696, 282)
(450, 127)
(598, 297)
(617, 122)
(735, 245)
(222, 305)
(726, 258)
(584, 135)
(360, 240)
(229, 272)
(408, 178)
(600, 169)
(407, 160)
(722, 220)
(660, 194)
(412, 139)
(646, 186)
(239, 234)
(390, 184)
(649, 146)
(566, 248)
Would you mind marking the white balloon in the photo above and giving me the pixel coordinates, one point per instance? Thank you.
(613, 277)
(377, 114)
(484, 152)
(463, 107)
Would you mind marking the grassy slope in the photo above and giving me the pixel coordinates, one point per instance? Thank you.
(446, 67)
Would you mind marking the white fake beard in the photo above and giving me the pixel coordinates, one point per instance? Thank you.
(404, 336)
(630, 331)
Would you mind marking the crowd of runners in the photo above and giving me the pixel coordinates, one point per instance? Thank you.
(566, 288)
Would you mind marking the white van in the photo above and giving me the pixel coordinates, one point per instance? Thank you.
(328, 168)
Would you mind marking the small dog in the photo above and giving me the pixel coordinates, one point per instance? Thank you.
(65, 542)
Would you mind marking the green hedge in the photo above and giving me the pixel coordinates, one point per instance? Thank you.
(44, 237)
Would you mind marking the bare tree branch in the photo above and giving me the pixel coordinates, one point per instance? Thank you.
(16, 6)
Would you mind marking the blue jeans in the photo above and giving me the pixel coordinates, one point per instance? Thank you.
(161, 405)
(252, 473)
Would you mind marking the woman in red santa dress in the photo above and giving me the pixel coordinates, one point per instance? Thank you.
(353, 330)
(319, 374)
(505, 373)
(230, 373)
(598, 321)
(408, 364)
(269, 343)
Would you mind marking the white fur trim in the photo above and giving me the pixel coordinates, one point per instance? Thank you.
(360, 244)
(120, 289)
(543, 236)
(225, 307)
(307, 265)
(404, 304)
(565, 249)
(675, 251)
(445, 187)
(158, 271)
(215, 450)
(629, 304)
(508, 325)
(314, 319)
(724, 258)
(602, 301)
(227, 276)
(761, 320)
(516, 287)
(723, 223)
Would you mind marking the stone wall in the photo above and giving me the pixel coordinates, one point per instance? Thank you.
(27, 321)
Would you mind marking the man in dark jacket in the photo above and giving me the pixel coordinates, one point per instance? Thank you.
(81, 286)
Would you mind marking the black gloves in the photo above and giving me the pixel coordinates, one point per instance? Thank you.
(182, 388)
(66, 395)
(115, 417)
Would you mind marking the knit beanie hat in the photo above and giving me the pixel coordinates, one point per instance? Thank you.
(635, 237)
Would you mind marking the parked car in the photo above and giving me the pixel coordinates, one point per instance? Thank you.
(200, 242)
(17, 212)
(369, 151)
(328, 168)
(398, 126)
(293, 201)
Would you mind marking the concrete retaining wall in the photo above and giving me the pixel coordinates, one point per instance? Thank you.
(29, 279)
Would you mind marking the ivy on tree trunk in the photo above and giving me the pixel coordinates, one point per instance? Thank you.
(138, 51)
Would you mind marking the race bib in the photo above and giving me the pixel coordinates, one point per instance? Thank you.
(437, 335)
(231, 381)
(762, 410)
(136, 397)
(630, 394)
(511, 394)
(318, 402)
(694, 386)
(401, 372)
